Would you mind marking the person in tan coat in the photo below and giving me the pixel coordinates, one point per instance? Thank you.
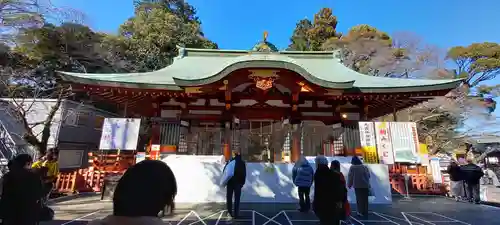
(359, 179)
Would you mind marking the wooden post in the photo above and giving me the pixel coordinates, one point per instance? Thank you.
(365, 112)
(296, 142)
(227, 141)
(125, 108)
(394, 114)
(332, 148)
(227, 124)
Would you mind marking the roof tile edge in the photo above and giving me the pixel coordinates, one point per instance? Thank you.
(285, 52)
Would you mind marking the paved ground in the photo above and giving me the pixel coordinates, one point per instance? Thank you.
(417, 211)
(493, 194)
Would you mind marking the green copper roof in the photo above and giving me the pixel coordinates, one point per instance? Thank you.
(265, 46)
(195, 67)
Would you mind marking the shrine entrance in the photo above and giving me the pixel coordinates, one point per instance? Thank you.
(261, 140)
(272, 140)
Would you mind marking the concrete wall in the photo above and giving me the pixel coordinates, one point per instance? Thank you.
(86, 123)
(80, 132)
(198, 180)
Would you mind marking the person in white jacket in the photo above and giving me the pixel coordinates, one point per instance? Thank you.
(234, 177)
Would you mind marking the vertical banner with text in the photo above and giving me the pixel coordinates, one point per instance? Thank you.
(423, 153)
(120, 134)
(384, 143)
(405, 143)
(437, 177)
(367, 139)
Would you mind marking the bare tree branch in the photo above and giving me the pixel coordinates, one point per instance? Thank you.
(22, 14)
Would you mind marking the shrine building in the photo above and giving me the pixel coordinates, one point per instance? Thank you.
(270, 105)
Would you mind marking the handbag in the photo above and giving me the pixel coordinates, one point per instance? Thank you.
(345, 210)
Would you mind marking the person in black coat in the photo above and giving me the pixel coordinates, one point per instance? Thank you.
(235, 184)
(456, 181)
(22, 191)
(329, 194)
(472, 174)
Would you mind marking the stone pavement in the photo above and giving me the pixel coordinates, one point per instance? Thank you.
(417, 211)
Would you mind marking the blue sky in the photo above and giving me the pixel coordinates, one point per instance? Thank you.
(238, 24)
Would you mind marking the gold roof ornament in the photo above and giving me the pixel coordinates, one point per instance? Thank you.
(264, 45)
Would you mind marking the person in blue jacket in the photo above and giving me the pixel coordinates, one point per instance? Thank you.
(303, 175)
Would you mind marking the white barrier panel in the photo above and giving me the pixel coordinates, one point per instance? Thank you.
(198, 179)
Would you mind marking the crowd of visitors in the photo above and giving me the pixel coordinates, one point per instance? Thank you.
(330, 187)
(464, 181)
(26, 187)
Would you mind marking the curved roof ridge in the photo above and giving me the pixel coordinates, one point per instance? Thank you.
(215, 50)
(306, 52)
(275, 60)
(203, 66)
(285, 52)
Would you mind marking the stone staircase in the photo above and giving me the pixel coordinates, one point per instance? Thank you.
(7, 149)
(10, 144)
(7, 144)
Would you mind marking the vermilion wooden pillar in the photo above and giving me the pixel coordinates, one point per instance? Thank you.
(296, 143)
(226, 148)
(227, 124)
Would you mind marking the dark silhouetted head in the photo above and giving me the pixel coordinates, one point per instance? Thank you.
(335, 166)
(356, 161)
(144, 190)
(52, 154)
(20, 161)
(237, 157)
(321, 162)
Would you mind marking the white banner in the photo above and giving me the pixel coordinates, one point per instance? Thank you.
(368, 143)
(404, 141)
(415, 141)
(384, 144)
(367, 134)
(437, 177)
(120, 133)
